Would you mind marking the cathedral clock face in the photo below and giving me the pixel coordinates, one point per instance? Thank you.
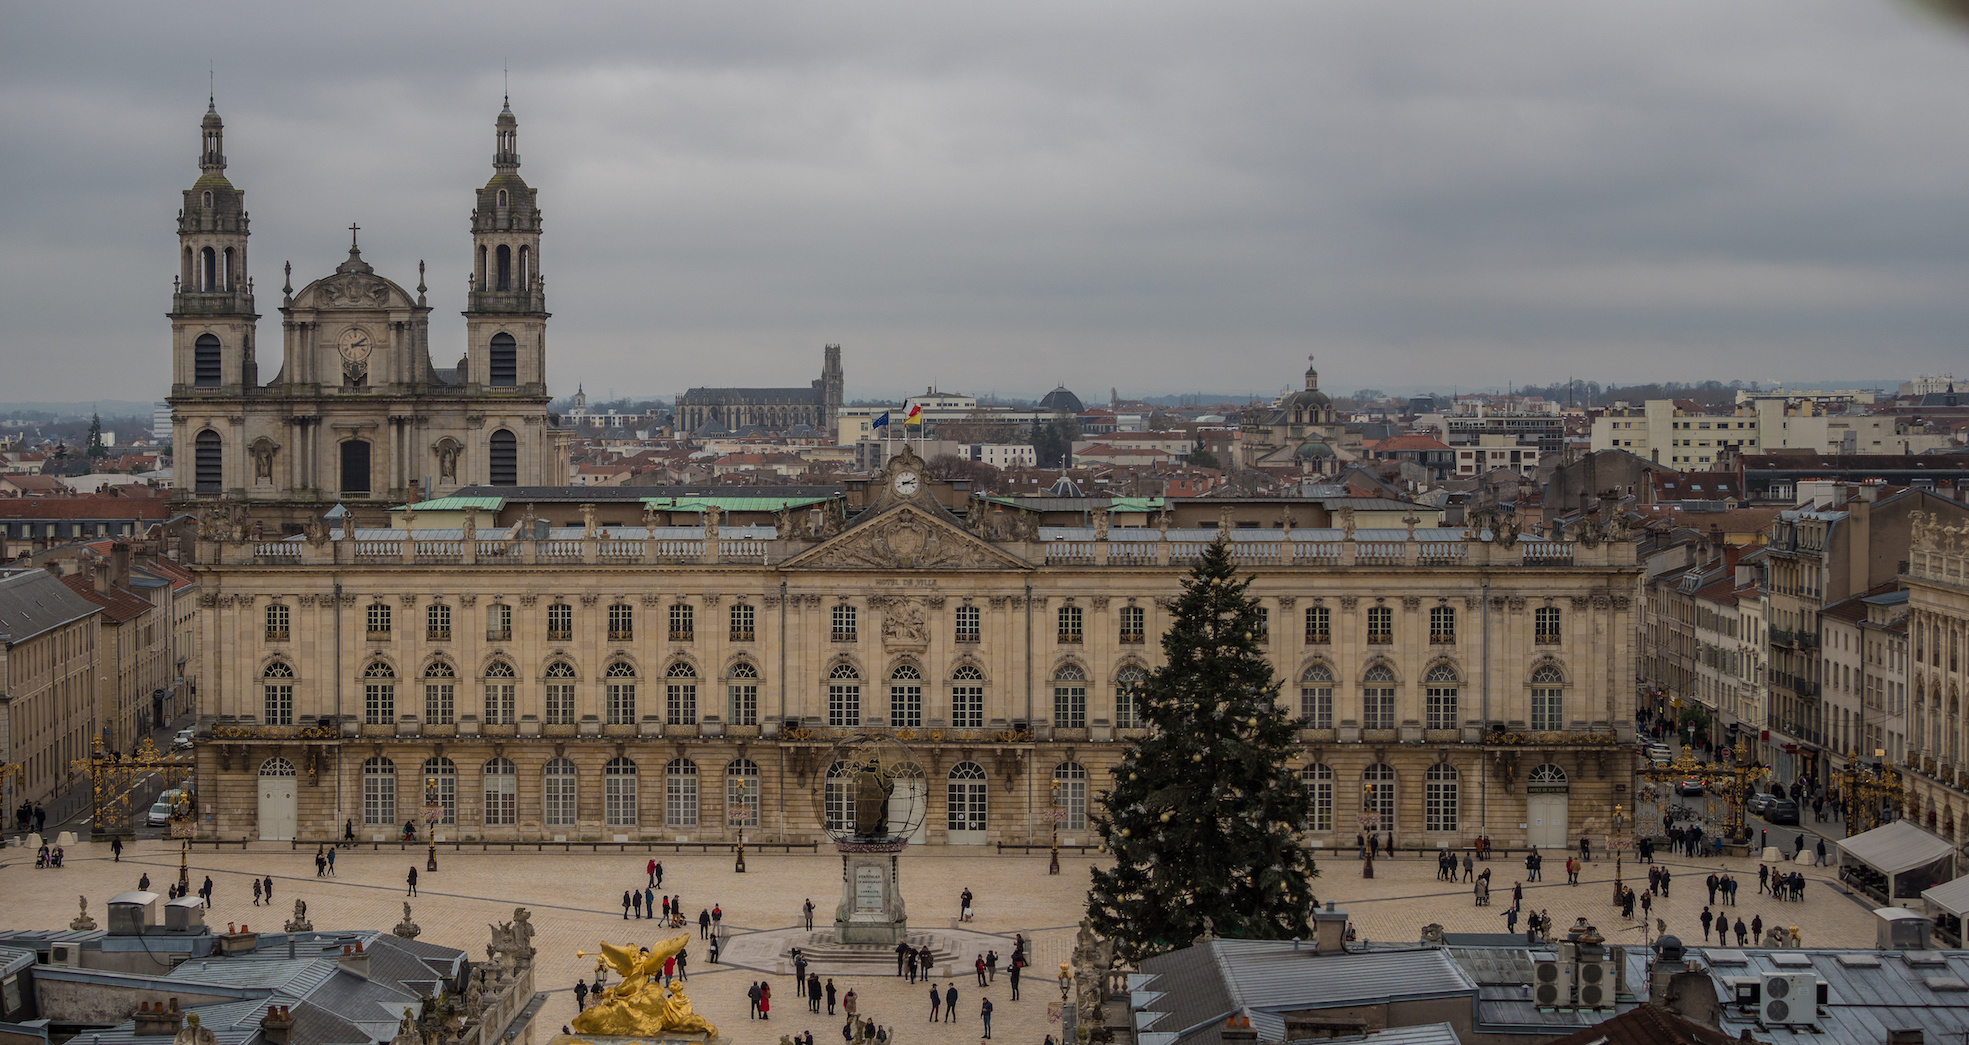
(355, 344)
(907, 483)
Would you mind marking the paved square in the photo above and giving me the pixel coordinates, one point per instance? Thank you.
(576, 901)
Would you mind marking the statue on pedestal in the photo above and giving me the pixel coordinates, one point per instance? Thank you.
(640, 1005)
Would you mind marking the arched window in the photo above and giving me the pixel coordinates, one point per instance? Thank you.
(742, 694)
(967, 698)
(1070, 788)
(1547, 779)
(226, 278)
(1318, 779)
(379, 694)
(441, 782)
(208, 463)
(680, 694)
(379, 791)
(680, 793)
(559, 793)
(208, 270)
(619, 792)
(621, 685)
(1440, 692)
(499, 683)
(355, 467)
(1128, 684)
(742, 793)
(1378, 698)
(1378, 794)
(277, 767)
(526, 269)
(482, 273)
(969, 794)
(906, 697)
(503, 459)
(503, 361)
(502, 792)
(1316, 697)
(843, 696)
(207, 368)
(1439, 798)
(560, 694)
(504, 256)
(1548, 704)
(1070, 697)
(502, 197)
(440, 694)
(277, 687)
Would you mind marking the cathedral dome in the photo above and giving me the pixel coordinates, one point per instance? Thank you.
(1061, 401)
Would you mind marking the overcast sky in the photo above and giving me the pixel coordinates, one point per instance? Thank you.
(999, 197)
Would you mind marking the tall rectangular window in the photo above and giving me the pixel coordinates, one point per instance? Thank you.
(843, 703)
(1378, 707)
(905, 702)
(1442, 625)
(1069, 624)
(379, 701)
(1545, 625)
(680, 700)
(1380, 625)
(742, 616)
(378, 619)
(844, 629)
(621, 690)
(440, 699)
(1440, 711)
(967, 699)
(1316, 698)
(559, 793)
(499, 623)
(969, 626)
(560, 622)
(1261, 624)
(1319, 789)
(621, 622)
(278, 617)
(1319, 626)
(437, 623)
(501, 793)
(279, 693)
(742, 698)
(1547, 706)
(683, 622)
(560, 695)
(499, 700)
(1134, 628)
(1070, 699)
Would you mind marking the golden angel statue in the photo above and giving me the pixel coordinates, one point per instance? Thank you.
(640, 1006)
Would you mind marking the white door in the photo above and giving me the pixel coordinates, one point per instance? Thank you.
(908, 803)
(1546, 800)
(968, 797)
(279, 805)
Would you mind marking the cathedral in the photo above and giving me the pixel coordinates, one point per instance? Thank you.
(357, 414)
(719, 411)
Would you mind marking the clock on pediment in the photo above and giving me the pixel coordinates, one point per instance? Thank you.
(355, 346)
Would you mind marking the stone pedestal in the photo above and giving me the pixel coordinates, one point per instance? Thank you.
(871, 909)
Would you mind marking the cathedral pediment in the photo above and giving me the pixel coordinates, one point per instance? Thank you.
(905, 537)
(353, 290)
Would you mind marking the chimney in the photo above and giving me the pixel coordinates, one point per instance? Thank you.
(119, 564)
(102, 577)
(156, 1020)
(1237, 1028)
(277, 1026)
(1329, 930)
(355, 960)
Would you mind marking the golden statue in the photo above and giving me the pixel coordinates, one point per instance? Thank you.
(640, 1006)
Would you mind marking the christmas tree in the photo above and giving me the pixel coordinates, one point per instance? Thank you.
(1203, 815)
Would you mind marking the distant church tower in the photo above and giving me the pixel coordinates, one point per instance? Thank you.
(212, 317)
(831, 383)
(506, 316)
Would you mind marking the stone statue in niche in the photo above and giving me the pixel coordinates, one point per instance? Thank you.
(448, 452)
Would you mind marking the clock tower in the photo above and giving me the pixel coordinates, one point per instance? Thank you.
(506, 310)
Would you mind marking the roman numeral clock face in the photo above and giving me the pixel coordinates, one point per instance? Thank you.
(355, 345)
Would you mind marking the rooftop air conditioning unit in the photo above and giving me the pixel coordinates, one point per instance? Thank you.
(1596, 983)
(1788, 998)
(1551, 985)
(69, 954)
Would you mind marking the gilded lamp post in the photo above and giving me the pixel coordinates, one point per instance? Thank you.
(741, 811)
(433, 813)
(1872, 792)
(1058, 814)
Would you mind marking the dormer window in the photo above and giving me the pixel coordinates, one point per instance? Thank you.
(502, 197)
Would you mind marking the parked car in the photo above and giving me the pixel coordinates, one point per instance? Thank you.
(1782, 811)
(1689, 786)
(1760, 801)
(182, 742)
(160, 814)
(1660, 753)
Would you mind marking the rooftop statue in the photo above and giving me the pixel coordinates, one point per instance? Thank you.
(640, 1006)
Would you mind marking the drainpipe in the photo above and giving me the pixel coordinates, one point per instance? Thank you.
(782, 710)
(339, 807)
(1483, 774)
(1034, 764)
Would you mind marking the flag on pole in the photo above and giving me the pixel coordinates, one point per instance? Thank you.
(915, 415)
(881, 420)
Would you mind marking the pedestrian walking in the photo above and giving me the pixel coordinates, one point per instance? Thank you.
(1511, 919)
(331, 863)
(1469, 866)
(684, 963)
(1707, 918)
(808, 910)
(412, 879)
(650, 869)
(1819, 861)
(1664, 883)
(649, 901)
(765, 1001)
(830, 995)
(1757, 927)
(269, 890)
(980, 967)
(753, 995)
(703, 924)
(813, 993)
(256, 892)
(1012, 977)
(936, 1003)
(659, 874)
(849, 1001)
(116, 850)
(143, 883)
(991, 965)
(321, 863)
(950, 1004)
(1741, 932)
(984, 1013)
(205, 891)
(964, 906)
(633, 898)
(1800, 844)
(580, 995)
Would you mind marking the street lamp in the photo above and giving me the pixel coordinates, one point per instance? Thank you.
(433, 812)
(1058, 814)
(1619, 842)
(740, 812)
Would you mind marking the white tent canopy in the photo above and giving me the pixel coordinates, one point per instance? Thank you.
(1952, 897)
(1896, 847)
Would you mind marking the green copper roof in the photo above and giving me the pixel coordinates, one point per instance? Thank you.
(454, 504)
(729, 503)
(1115, 504)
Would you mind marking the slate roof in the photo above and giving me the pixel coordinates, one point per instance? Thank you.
(1868, 993)
(35, 601)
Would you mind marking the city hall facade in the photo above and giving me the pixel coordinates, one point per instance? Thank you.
(667, 667)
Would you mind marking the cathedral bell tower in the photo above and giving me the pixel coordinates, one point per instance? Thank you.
(506, 314)
(212, 316)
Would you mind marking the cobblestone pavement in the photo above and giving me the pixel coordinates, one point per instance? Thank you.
(576, 901)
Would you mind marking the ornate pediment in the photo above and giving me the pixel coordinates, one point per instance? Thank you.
(906, 537)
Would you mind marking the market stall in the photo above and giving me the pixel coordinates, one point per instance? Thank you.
(1894, 862)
